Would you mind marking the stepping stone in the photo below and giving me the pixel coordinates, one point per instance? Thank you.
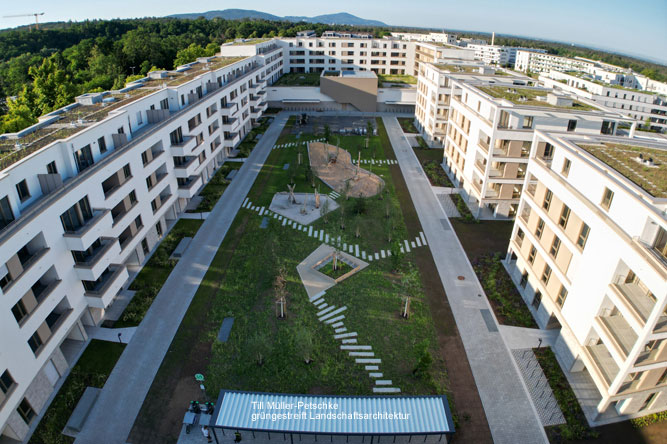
(349, 341)
(386, 390)
(327, 239)
(340, 330)
(377, 256)
(407, 246)
(280, 217)
(362, 354)
(372, 367)
(370, 258)
(326, 310)
(383, 382)
(375, 375)
(363, 255)
(318, 295)
(344, 245)
(356, 250)
(261, 211)
(356, 347)
(421, 234)
(419, 242)
(321, 235)
(265, 223)
(402, 250)
(284, 222)
(245, 201)
(337, 325)
(334, 320)
(412, 243)
(225, 329)
(319, 301)
(368, 361)
(321, 306)
(345, 335)
(310, 231)
(286, 166)
(299, 227)
(275, 216)
(350, 249)
(382, 254)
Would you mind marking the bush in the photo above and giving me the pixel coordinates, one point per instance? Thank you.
(466, 215)
(649, 419)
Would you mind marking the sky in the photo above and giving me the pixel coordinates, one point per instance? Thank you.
(635, 27)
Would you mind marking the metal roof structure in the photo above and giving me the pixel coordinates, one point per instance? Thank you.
(333, 415)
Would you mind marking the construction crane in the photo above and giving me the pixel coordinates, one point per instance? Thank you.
(36, 14)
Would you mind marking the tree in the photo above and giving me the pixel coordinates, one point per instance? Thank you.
(324, 210)
(53, 87)
(369, 128)
(303, 341)
(258, 346)
(396, 256)
(189, 54)
(19, 114)
(424, 360)
(327, 133)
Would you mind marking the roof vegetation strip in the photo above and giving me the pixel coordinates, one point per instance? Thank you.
(345, 415)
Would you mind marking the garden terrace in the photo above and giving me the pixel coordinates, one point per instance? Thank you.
(404, 79)
(299, 79)
(625, 160)
(458, 68)
(530, 96)
(178, 78)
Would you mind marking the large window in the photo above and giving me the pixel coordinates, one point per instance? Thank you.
(547, 200)
(22, 189)
(562, 295)
(83, 158)
(6, 382)
(555, 246)
(546, 274)
(25, 410)
(564, 216)
(77, 215)
(583, 236)
(35, 342)
(607, 197)
(6, 213)
(539, 229)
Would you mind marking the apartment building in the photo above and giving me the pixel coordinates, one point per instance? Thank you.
(532, 61)
(638, 105)
(496, 54)
(588, 254)
(91, 189)
(489, 133)
(436, 37)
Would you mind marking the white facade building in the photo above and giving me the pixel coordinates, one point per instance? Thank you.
(98, 194)
(588, 254)
(435, 37)
(496, 54)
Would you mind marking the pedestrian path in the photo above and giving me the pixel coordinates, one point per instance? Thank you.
(509, 410)
(296, 144)
(111, 334)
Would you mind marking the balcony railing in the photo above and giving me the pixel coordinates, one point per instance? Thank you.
(618, 330)
(604, 364)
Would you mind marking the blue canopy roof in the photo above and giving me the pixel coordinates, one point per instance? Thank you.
(345, 415)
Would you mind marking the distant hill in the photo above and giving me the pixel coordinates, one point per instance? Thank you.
(341, 18)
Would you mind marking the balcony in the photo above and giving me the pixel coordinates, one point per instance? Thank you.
(231, 124)
(106, 286)
(531, 188)
(231, 140)
(481, 167)
(183, 147)
(491, 193)
(658, 261)
(604, 366)
(101, 258)
(484, 145)
(229, 109)
(93, 229)
(28, 269)
(189, 189)
(54, 321)
(618, 334)
(186, 169)
(649, 357)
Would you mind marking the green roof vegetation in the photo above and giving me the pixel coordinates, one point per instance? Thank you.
(624, 159)
(251, 41)
(457, 68)
(530, 97)
(403, 79)
(299, 79)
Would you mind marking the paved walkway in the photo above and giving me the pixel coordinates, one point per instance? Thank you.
(111, 334)
(520, 338)
(113, 416)
(511, 415)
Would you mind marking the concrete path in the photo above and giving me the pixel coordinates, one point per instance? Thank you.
(113, 416)
(111, 334)
(511, 415)
(520, 338)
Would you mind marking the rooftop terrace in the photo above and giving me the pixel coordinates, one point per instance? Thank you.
(529, 97)
(625, 159)
(251, 41)
(76, 117)
(458, 68)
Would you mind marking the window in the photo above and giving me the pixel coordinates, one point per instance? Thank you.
(176, 136)
(19, 311)
(164, 104)
(524, 279)
(25, 410)
(138, 223)
(51, 168)
(528, 122)
(102, 144)
(583, 236)
(22, 189)
(35, 342)
(144, 157)
(546, 274)
(83, 158)
(519, 236)
(567, 163)
(555, 246)
(532, 254)
(564, 216)
(663, 378)
(607, 198)
(537, 299)
(6, 214)
(144, 246)
(548, 151)
(571, 125)
(562, 295)
(539, 229)
(149, 182)
(127, 173)
(158, 228)
(547, 200)
(6, 382)
(133, 197)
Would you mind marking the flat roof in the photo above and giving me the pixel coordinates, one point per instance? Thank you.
(624, 158)
(530, 97)
(340, 415)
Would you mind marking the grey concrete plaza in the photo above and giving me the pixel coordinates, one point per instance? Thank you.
(511, 415)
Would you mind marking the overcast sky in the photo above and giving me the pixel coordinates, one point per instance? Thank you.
(635, 27)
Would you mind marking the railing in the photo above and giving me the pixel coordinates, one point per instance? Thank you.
(107, 244)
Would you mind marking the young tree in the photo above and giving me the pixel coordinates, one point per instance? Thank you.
(19, 113)
(396, 257)
(303, 341)
(324, 210)
(189, 54)
(258, 346)
(327, 133)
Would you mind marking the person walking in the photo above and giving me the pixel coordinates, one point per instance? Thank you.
(206, 433)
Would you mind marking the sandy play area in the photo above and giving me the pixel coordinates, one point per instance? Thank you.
(363, 183)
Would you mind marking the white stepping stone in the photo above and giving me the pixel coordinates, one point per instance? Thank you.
(363, 255)
(245, 201)
(349, 341)
(419, 242)
(377, 256)
(275, 216)
(382, 254)
(412, 243)
(280, 217)
(326, 310)
(407, 246)
(370, 258)
(321, 306)
(350, 249)
(356, 347)
(317, 296)
(261, 211)
(340, 330)
(383, 382)
(334, 320)
(284, 222)
(386, 390)
(310, 231)
(368, 361)
(328, 315)
(326, 239)
(402, 250)
(356, 250)
(375, 375)
(362, 354)
(421, 234)
(337, 325)
(345, 335)
(321, 235)
(319, 301)
(372, 367)
(300, 227)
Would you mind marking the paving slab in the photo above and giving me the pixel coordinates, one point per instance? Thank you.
(356, 347)
(334, 320)
(345, 335)
(383, 382)
(386, 390)
(340, 330)
(368, 361)
(332, 314)
(349, 341)
(362, 354)
(375, 375)
(326, 310)
(372, 367)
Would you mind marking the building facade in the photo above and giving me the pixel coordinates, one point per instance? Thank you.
(588, 254)
(93, 188)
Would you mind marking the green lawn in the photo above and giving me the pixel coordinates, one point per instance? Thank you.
(155, 272)
(299, 79)
(264, 353)
(396, 78)
(92, 369)
(215, 187)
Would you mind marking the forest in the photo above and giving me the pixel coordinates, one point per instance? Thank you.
(43, 70)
